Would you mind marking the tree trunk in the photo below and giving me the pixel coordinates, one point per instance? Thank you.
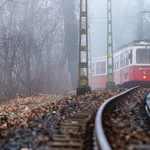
(71, 40)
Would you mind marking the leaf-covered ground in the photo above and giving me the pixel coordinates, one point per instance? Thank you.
(19, 104)
(20, 110)
(31, 122)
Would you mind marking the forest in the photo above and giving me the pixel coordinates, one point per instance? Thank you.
(39, 41)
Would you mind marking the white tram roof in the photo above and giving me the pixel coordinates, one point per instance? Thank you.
(135, 43)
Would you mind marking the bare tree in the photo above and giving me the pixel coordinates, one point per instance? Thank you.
(71, 39)
(32, 48)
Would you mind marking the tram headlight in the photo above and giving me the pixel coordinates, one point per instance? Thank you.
(144, 72)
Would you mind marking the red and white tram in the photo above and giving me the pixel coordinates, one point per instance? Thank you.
(131, 66)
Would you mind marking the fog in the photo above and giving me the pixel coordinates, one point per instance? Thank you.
(126, 15)
(39, 40)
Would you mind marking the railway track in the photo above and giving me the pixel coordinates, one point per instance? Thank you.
(69, 123)
(119, 124)
(74, 130)
(76, 133)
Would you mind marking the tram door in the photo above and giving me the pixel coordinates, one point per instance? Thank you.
(126, 66)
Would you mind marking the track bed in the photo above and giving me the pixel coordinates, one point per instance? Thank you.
(124, 127)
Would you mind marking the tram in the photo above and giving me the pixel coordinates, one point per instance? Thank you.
(131, 66)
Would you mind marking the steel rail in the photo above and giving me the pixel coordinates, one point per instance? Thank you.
(145, 109)
(147, 105)
(100, 138)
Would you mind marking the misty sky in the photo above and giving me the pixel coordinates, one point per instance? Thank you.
(125, 13)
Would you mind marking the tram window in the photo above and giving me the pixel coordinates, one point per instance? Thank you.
(130, 56)
(115, 63)
(103, 67)
(124, 59)
(93, 69)
(143, 56)
(127, 58)
(121, 60)
(118, 63)
(98, 68)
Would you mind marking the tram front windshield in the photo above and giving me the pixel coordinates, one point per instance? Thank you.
(143, 56)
